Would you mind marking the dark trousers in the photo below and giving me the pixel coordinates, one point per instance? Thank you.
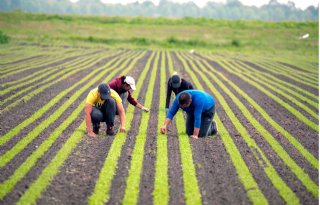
(206, 121)
(104, 114)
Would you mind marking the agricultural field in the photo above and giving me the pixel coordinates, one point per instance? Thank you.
(266, 151)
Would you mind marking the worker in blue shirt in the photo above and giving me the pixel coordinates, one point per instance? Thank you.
(200, 109)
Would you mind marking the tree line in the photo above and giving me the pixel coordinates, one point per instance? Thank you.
(232, 9)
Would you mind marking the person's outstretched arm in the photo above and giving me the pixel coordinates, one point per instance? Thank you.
(88, 110)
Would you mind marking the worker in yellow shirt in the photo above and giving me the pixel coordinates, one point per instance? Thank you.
(101, 106)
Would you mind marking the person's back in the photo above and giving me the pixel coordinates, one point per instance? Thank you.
(200, 109)
(123, 85)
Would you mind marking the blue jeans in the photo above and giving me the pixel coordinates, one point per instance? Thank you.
(206, 121)
(104, 114)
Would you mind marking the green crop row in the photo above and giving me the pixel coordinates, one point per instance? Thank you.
(311, 159)
(298, 171)
(254, 193)
(32, 63)
(161, 183)
(53, 79)
(45, 71)
(266, 84)
(191, 187)
(294, 111)
(100, 194)
(290, 75)
(288, 87)
(70, 67)
(35, 190)
(286, 193)
(133, 181)
(5, 158)
(50, 104)
(36, 77)
(302, 75)
(8, 185)
(35, 62)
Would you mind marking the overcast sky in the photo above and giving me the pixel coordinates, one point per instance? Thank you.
(299, 3)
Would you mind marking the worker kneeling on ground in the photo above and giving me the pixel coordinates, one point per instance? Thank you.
(200, 109)
(102, 105)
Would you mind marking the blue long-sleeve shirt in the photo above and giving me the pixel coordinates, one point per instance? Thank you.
(201, 102)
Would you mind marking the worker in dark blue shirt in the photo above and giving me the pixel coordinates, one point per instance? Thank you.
(200, 109)
(176, 84)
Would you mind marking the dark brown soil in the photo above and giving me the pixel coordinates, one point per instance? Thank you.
(217, 177)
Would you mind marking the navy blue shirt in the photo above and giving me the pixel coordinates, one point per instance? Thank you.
(201, 102)
(185, 85)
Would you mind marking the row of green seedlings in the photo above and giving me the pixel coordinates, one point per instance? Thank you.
(94, 78)
(100, 194)
(257, 77)
(12, 54)
(36, 60)
(52, 169)
(190, 182)
(27, 54)
(309, 77)
(299, 76)
(312, 160)
(242, 74)
(58, 99)
(161, 187)
(306, 63)
(161, 179)
(10, 154)
(47, 82)
(252, 189)
(36, 78)
(131, 193)
(277, 69)
(294, 90)
(285, 192)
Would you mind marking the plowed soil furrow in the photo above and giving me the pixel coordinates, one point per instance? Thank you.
(34, 172)
(59, 143)
(254, 134)
(119, 181)
(176, 191)
(21, 157)
(284, 78)
(288, 89)
(278, 113)
(67, 72)
(267, 150)
(297, 68)
(9, 119)
(26, 59)
(284, 171)
(73, 166)
(44, 73)
(281, 139)
(215, 172)
(57, 63)
(150, 149)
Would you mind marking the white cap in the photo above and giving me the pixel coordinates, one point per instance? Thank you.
(130, 81)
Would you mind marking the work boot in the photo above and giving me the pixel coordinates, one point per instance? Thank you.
(110, 130)
(214, 128)
(95, 128)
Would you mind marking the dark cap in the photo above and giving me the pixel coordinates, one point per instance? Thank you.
(175, 81)
(104, 91)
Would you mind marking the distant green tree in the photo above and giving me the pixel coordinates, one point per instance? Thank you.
(232, 9)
